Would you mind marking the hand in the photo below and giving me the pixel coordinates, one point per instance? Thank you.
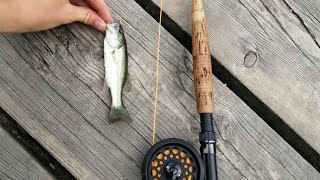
(36, 15)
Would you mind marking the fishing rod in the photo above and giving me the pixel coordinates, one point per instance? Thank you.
(176, 159)
(202, 73)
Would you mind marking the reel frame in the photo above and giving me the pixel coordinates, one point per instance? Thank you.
(173, 159)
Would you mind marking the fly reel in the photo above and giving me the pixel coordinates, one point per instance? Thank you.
(172, 159)
(175, 159)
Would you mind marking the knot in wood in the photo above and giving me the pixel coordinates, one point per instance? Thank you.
(250, 59)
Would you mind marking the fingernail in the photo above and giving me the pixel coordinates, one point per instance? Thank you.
(111, 20)
(101, 25)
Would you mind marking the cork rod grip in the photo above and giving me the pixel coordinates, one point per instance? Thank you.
(202, 70)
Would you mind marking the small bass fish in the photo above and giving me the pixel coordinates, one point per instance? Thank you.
(116, 70)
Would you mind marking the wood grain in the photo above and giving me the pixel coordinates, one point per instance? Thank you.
(272, 47)
(16, 163)
(52, 83)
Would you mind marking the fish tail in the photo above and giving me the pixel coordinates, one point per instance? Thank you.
(119, 114)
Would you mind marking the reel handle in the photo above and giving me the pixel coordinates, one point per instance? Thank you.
(202, 70)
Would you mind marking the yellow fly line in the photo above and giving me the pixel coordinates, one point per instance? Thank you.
(157, 78)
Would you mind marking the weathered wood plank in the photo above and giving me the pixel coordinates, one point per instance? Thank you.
(51, 83)
(307, 13)
(16, 163)
(272, 47)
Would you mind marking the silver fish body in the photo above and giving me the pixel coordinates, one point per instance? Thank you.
(116, 70)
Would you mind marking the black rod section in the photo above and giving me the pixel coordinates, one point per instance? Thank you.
(208, 146)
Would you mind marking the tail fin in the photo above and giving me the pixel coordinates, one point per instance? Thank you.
(119, 114)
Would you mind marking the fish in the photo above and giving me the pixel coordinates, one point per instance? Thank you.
(116, 70)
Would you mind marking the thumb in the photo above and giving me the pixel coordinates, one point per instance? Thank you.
(86, 16)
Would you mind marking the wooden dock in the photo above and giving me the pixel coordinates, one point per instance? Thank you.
(51, 84)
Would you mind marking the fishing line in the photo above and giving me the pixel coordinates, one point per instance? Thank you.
(157, 78)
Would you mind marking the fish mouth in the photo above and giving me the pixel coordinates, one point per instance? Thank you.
(114, 27)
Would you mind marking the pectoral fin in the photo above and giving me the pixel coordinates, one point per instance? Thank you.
(105, 86)
(127, 86)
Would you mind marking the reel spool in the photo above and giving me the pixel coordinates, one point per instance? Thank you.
(172, 159)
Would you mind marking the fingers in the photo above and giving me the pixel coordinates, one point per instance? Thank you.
(85, 15)
(79, 3)
(102, 8)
